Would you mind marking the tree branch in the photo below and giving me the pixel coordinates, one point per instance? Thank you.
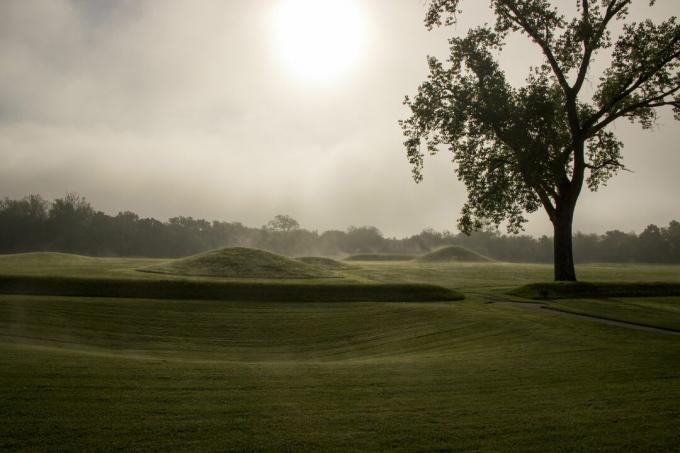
(652, 102)
(518, 19)
(644, 77)
(589, 47)
(570, 107)
(605, 163)
(543, 194)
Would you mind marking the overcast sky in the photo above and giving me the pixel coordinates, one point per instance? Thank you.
(176, 107)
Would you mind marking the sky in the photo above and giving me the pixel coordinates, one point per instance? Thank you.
(205, 109)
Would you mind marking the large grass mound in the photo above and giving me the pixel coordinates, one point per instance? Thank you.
(381, 257)
(595, 290)
(454, 254)
(240, 262)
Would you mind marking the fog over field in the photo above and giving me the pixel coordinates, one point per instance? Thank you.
(187, 108)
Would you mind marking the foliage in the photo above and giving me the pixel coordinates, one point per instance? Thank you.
(283, 223)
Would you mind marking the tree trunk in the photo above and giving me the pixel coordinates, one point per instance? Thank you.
(563, 251)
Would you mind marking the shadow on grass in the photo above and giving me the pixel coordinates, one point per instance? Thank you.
(226, 290)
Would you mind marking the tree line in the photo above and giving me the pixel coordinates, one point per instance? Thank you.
(72, 225)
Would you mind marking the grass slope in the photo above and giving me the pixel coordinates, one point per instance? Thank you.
(277, 291)
(585, 290)
(454, 275)
(240, 262)
(380, 257)
(454, 254)
(84, 374)
(92, 374)
(661, 312)
(324, 263)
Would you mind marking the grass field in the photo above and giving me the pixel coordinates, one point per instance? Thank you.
(652, 311)
(80, 373)
(381, 257)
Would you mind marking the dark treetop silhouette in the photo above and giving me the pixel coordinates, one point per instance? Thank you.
(518, 149)
(70, 224)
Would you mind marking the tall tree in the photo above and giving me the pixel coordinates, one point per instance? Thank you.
(518, 149)
(282, 223)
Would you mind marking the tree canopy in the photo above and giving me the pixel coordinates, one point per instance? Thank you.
(284, 223)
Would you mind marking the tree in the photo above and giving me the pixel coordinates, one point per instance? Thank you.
(282, 223)
(69, 220)
(653, 246)
(365, 239)
(22, 223)
(672, 236)
(520, 149)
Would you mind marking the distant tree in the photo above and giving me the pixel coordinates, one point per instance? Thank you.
(617, 247)
(22, 223)
(282, 223)
(586, 247)
(364, 239)
(652, 246)
(672, 236)
(331, 242)
(68, 223)
(519, 149)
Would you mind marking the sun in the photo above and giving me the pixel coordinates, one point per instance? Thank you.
(319, 40)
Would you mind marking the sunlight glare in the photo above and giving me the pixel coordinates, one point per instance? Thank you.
(319, 40)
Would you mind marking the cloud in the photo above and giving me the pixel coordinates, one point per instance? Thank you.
(183, 108)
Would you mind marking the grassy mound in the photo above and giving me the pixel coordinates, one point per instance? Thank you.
(225, 290)
(381, 257)
(324, 263)
(454, 254)
(240, 262)
(595, 290)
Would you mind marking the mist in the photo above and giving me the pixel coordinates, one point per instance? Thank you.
(186, 109)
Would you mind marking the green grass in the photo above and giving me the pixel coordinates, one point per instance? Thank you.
(498, 276)
(585, 290)
(324, 263)
(454, 254)
(381, 257)
(80, 373)
(240, 262)
(661, 312)
(67, 265)
(276, 291)
(83, 374)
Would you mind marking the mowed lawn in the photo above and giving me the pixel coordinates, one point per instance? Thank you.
(102, 374)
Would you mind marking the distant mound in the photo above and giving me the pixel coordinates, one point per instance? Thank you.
(324, 263)
(454, 254)
(381, 257)
(240, 262)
